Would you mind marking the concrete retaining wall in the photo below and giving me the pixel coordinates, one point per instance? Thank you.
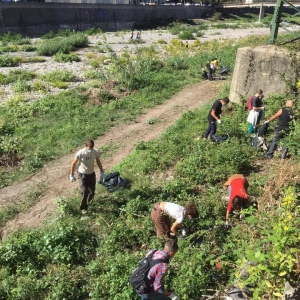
(38, 18)
(269, 68)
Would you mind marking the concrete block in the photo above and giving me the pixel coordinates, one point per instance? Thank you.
(269, 68)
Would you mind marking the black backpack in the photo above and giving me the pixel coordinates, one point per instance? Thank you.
(138, 278)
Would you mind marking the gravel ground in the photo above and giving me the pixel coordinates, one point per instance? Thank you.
(118, 42)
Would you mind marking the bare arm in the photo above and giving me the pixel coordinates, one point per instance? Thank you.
(73, 165)
(278, 114)
(174, 228)
(227, 215)
(99, 164)
(213, 114)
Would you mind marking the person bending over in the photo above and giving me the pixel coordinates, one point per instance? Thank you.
(163, 211)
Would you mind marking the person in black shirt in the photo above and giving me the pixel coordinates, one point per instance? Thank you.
(214, 117)
(285, 115)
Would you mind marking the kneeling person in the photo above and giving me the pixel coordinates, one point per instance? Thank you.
(237, 186)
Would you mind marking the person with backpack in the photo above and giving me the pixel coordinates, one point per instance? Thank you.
(214, 118)
(148, 278)
(285, 115)
(86, 174)
(255, 107)
(161, 213)
(236, 186)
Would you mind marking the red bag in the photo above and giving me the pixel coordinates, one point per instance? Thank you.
(249, 103)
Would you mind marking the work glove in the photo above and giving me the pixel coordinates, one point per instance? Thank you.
(265, 122)
(174, 296)
(226, 224)
(219, 121)
(262, 108)
(102, 176)
(72, 178)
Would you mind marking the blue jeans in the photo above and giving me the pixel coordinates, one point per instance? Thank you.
(211, 129)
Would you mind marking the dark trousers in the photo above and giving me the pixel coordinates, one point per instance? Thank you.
(210, 74)
(277, 137)
(211, 129)
(87, 185)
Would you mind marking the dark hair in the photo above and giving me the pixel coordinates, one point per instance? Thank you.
(171, 246)
(191, 209)
(89, 143)
(226, 100)
(237, 203)
(259, 91)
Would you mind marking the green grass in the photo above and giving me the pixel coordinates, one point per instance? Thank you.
(70, 259)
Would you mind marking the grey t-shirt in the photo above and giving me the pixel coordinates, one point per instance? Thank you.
(86, 160)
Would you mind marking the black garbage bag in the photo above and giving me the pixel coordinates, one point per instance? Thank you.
(114, 181)
(218, 139)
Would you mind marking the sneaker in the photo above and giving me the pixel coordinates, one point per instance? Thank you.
(204, 137)
(266, 156)
(84, 212)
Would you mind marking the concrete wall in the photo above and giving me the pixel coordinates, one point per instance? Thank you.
(269, 68)
(38, 18)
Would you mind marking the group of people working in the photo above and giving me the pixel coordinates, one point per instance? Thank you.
(284, 114)
(168, 217)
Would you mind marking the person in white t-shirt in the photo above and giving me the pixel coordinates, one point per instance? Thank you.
(86, 174)
(161, 213)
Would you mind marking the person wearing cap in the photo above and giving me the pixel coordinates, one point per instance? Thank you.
(161, 213)
(237, 186)
(213, 117)
(285, 115)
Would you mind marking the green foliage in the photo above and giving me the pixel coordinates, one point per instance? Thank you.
(186, 35)
(55, 76)
(21, 86)
(64, 45)
(16, 75)
(8, 61)
(61, 57)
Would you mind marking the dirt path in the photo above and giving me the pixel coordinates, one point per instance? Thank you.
(55, 174)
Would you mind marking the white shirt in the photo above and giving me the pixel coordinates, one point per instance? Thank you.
(175, 211)
(86, 160)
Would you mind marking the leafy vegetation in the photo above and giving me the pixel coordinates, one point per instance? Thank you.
(64, 45)
(92, 258)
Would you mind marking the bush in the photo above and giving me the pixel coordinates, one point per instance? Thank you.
(64, 76)
(8, 61)
(61, 57)
(63, 45)
(21, 86)
(186, 35)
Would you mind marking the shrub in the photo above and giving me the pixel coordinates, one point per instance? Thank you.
(61, 57)
(93, 31)
(53, 46)
(186, 35)
(27, 48)
(21, 86)
(59, 84)
(49, 35)
(63, 45)
(64, 76)
(39, 86)
(8, 61)
(16, 75)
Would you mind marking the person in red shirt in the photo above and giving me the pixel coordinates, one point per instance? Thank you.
(237, 186)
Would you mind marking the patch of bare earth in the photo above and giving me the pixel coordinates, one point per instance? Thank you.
(54, 176)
